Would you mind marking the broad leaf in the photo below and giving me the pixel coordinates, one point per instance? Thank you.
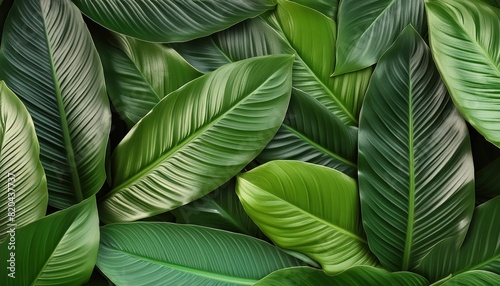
(139, 74)
(311, 133)
(60, 249)
(197, 138)
(354, 276)
(22, 179)
(172, 254)
(464, 40)
(307, 208)
(171, 20)
(367, 28)
(476, 278)
(50, 62)
(327, 7)
(479, 251)
(219, 209)
(416, 174)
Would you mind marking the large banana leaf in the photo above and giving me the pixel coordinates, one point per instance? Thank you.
(139, 74)
(171, 20)
(170, 254)
(50, 62)
(416, 174)
(327, 7)
(464, 39)
(311, 133)
(367, 28)
(198, 137)
(307, 208)
(22, 179)
(476, 278)
(60, 249)
(219, 209)
(479, 251)
(354, 276)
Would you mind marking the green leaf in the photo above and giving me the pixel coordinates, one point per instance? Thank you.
(416, 174)
(219, 209)
(60, 249)
(495, 3)
(307, 208)
(327, 7)
(368, 28)
(476, 278)
(172, 254)
(50, 62)
(479, 251)
(171, 20)
(22, 179)
(464, 40)
(311, 133)
(197, 138)
(354, 276)
(139, 74)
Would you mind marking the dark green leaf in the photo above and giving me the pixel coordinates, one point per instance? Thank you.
(476, 278)
(488, 181)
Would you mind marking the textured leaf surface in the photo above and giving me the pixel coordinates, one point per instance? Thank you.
(171, 20)
(476, 278)
(354, 276)
(464, 40)
(479, 251)
(139, 74)
(50, 62)
(172, 254)
(368, 28)
(307, 208)
(197, 138)
(22, 179)
(60, 249)
(327, 7)
(415, 165)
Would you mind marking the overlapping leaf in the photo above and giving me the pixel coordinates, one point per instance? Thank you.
(327, 7)
(22, 180)
(171, 254)
(488, 181)
(367, 28)
(50, 62)
(171, 20)
(307, 208)
(197, 138)
(476, 278)
(60, 249)
(415, 165)
(464, 40)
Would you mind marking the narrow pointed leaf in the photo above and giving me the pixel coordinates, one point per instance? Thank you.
(50, 62)
(479, 251)
(327, 7)
(171, 20)
(172, 254)
(22, 179)
(310, 133)
(60, 249)
(197, 138)
(476, 278)
(368, 28)
(354, 276)
(307, 208)
(140, 74)
(464, 40)
(415, 165)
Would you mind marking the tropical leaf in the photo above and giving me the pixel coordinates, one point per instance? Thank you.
(60, 249)
(219, 209)
(22, 179)
(476, 278)
(354, 276)
(171, 20)
(416, 174)
(173, 254)
(307, 208)
(367, 28)
(310, 133)
(495, 3)
(327, 7)
(479, 251)
(139, 74)
(464, 40)
(488, 181)
(50, 62)
(197, 138)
